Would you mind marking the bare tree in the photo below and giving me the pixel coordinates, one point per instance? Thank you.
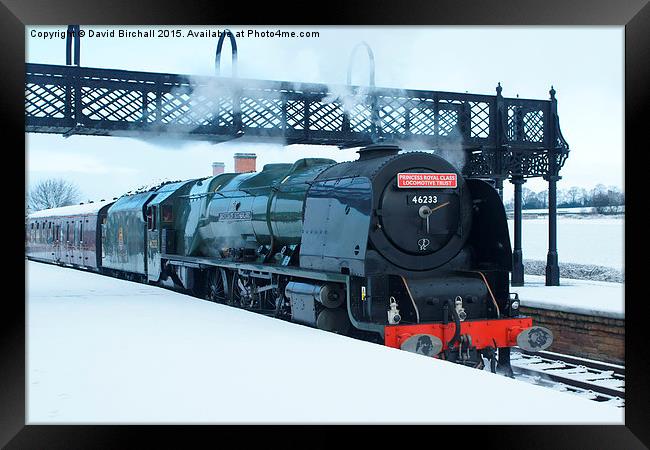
(574, 196)
(53, 193)
(542, 197)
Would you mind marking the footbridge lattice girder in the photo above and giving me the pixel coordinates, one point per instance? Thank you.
(502, 137)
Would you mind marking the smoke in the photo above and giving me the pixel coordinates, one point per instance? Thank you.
(351, 100)
(356, 102)
(195, 107)
(204, 102)
(453, 151)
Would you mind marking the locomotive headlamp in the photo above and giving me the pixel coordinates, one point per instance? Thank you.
(393, 314)
(514, 301)
(462, 315)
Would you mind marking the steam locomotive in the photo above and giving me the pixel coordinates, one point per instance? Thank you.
(394, 247)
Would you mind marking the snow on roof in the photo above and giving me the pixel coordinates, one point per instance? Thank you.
(158, 183)
(86, 208)
(178, 359)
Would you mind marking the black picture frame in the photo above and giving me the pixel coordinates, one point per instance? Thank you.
(633, 14)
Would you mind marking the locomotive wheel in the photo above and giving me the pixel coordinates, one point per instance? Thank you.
(241, 291)
(216, 291)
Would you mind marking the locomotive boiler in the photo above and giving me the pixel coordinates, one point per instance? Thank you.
(396, 247)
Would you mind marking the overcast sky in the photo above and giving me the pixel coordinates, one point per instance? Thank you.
(584, 64)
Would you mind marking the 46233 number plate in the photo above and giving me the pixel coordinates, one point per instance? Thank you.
(422, 199)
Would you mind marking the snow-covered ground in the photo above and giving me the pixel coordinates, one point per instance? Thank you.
(102, 350)
(580, 296)
(587, 240)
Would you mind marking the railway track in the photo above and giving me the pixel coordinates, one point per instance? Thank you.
(595, 380)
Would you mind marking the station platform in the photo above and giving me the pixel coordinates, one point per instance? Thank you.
(586, 317)
(104, 350)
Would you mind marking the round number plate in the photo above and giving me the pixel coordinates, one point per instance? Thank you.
(423, 344)
(535, 339)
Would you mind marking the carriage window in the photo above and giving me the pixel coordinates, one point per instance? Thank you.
(151, 218)
(81, 231)
(67, 231)
(167, 213)
(49, 225)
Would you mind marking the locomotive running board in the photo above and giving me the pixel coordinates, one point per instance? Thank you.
(204, 263)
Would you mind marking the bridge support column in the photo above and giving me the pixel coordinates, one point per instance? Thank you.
(498, 184)
(552, 265)
(517, 254)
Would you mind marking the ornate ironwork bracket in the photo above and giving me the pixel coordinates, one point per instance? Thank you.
(233, 52)
(73, 37)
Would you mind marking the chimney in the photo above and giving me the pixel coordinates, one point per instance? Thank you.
(245, 162)
(218, 168)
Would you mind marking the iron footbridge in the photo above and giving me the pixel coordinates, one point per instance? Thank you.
(502, 137)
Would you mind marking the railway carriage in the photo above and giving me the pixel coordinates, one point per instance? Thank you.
(68, 235)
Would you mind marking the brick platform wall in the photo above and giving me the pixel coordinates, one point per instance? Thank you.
(593, 337)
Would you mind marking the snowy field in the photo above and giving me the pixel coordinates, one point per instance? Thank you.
(102, 350)
(577, 210)
(587, 240)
